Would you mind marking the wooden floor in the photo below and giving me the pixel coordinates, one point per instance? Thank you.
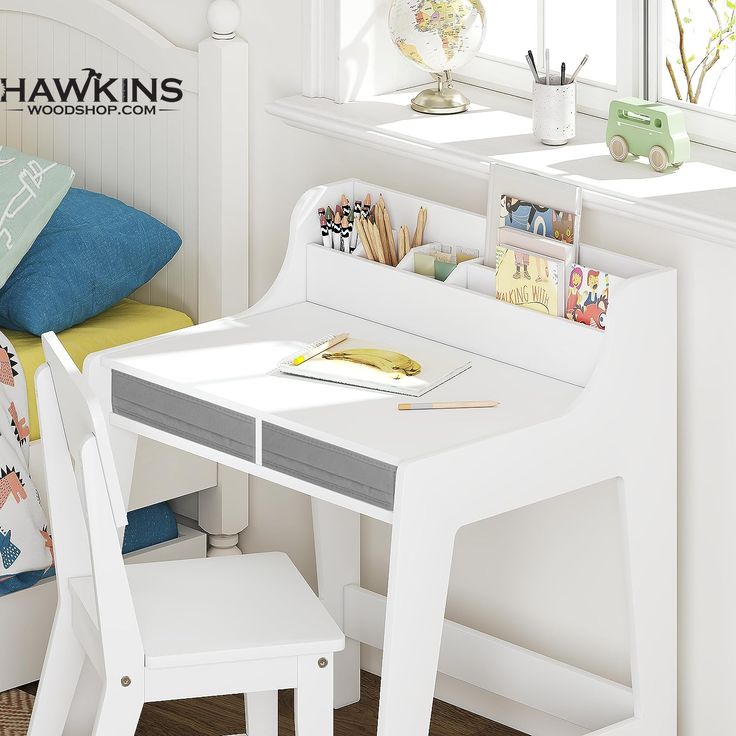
(224, 715)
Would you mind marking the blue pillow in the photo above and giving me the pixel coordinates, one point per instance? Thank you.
(93, 252)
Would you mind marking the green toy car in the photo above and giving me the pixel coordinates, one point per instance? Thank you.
(647, 129)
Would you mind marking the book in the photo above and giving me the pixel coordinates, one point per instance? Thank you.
(530, 280)
(538, 219)
(588, 295)
(437, 364)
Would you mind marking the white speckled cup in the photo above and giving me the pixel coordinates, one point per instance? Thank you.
(553, 112)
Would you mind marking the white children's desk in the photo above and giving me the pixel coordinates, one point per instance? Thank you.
(212, 390)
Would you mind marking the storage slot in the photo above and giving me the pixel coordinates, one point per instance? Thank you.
(328, 466)
(184, 416)
(452, 315)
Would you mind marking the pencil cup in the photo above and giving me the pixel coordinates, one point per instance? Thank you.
(553, 112)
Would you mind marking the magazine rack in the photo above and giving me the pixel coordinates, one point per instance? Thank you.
(550, 375)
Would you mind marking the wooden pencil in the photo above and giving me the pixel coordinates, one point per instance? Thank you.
(363, 235)
(375, 237)
(421, 224)
(389, 232)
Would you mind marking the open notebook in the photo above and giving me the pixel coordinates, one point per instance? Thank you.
(439, 363)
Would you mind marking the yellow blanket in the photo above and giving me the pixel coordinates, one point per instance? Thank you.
(126, 322)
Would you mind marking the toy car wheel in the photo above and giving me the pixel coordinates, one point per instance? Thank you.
(619, 148)
(658, 158)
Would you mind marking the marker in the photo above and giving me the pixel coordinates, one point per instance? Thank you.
(357, 210)
(533, 68)
(314, 350)
(562, 73)
(345, 235)
(449, 405)
(326, 237)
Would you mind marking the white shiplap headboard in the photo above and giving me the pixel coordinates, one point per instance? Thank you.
(187, 166)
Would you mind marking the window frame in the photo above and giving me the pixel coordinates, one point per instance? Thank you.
(334, 66)
(711, 127)
(513, 77)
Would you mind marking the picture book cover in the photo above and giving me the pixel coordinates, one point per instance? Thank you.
(529, 280)
(588, 292)
(537, 219)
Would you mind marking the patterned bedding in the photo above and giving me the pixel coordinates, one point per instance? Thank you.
(26, 551)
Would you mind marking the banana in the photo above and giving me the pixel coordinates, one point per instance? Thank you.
(386, 361)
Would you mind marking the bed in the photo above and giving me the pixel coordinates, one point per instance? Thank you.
(187, 166)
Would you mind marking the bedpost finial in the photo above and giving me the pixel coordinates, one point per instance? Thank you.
(223, 17)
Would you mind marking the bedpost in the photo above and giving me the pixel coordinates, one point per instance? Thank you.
(223, 228)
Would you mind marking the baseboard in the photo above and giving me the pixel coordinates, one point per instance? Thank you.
(501, 681)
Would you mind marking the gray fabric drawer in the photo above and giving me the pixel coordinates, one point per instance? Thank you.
(329, 466)
(185, 416)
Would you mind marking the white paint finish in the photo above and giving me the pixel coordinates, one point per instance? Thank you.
(116, 28)
(162, 629)
(498, 128)
(271, 612)
(25, 646)
(262, 713)
(337, 551)
(426, 517)
(223, 162)
(544, 684)
(537, 588)
(138, 160)
(247, 349)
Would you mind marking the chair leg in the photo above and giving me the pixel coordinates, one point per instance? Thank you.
(262, 713)
(61, 670)
(118, 712)
(313, 697)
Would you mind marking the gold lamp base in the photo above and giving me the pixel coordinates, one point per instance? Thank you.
(442, 100)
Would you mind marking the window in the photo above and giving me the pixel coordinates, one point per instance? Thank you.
(693, 64)
(681, 52)
(570, 29)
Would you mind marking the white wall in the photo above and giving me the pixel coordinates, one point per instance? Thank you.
(548, 577)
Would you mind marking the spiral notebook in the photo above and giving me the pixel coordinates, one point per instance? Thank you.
(438, 363)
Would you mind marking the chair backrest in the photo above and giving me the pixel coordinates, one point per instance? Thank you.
(86, 538)
(82, 416)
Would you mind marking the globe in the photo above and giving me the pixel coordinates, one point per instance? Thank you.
(437, 35)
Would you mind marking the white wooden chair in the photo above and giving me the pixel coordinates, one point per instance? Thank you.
(166, 630)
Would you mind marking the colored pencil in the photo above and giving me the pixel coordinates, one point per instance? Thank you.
(449, 405)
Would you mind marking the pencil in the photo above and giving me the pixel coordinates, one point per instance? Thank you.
(389, 232)
(449, 405)
(313, 350)
(363, 233)
(421, 224)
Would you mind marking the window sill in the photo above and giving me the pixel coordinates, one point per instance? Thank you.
(698, 197)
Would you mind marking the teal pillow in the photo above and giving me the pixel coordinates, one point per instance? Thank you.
(93, 252)
(30, 191)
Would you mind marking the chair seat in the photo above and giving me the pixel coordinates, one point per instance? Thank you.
(221, 609)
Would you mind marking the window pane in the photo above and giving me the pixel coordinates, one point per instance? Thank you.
(512, 30)
(578, 27)
(703, 72)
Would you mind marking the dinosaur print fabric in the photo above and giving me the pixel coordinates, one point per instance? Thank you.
(25, 544)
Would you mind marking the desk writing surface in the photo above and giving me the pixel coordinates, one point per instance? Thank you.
(231, 363)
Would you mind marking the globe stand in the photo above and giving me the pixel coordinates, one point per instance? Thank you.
(442, 100)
